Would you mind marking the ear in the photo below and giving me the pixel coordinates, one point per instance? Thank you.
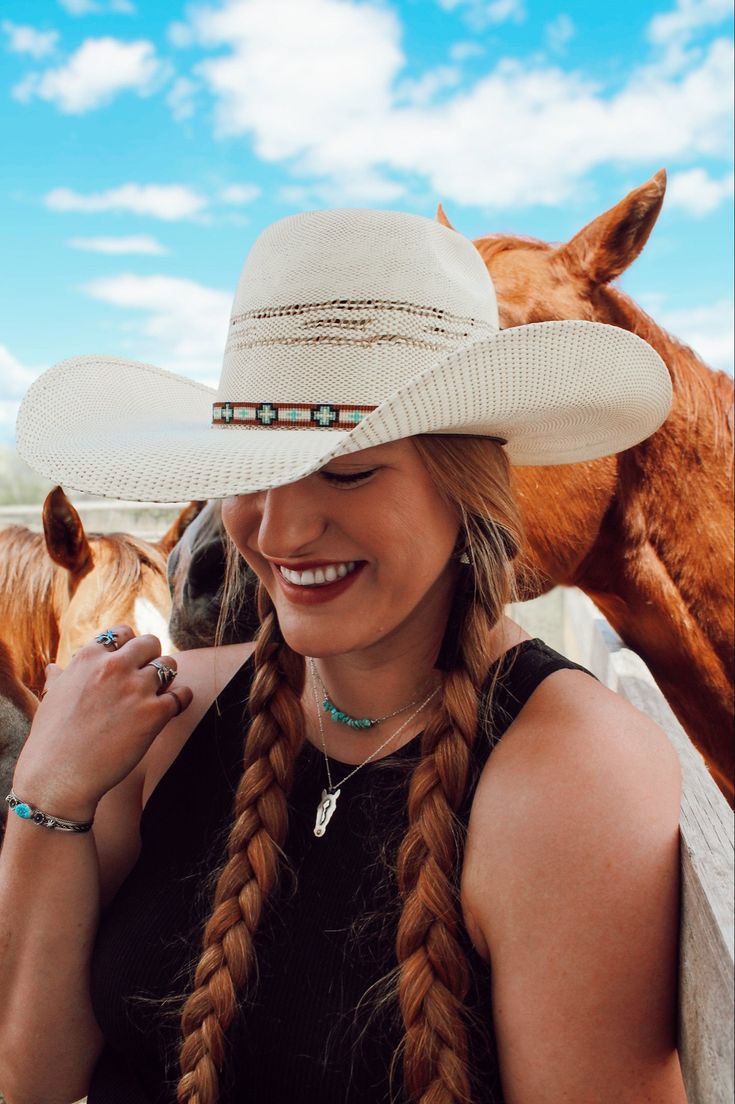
(174, 533)
(612, 241)
(442, 218)
(66, 540)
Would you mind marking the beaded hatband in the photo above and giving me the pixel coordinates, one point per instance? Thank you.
(273, 415)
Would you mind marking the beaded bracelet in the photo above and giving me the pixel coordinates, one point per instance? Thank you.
(30, 812)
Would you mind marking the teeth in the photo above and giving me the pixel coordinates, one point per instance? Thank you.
(320, 576)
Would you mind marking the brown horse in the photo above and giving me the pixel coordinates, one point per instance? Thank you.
(647, 534)
(17, 708)
(58, 588)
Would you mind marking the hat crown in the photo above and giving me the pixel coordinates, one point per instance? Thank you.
(361, 255)
(345, 306)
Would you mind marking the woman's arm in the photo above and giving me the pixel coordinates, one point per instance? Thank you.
(572, 878)
(82, 760)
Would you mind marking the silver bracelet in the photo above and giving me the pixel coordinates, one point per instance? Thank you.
(30, 812)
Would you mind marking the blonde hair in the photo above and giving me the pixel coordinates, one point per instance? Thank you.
(473, 474)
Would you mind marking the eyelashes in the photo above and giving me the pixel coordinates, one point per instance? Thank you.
(348, 479)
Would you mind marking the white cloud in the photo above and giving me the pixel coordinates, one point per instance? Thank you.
(687, 17)
(27, 40)
(93, 7)
(186, 324)
(180, 98)
(165, 201)
(136, 243)
(16, 377)
(559, 33)
(695, 191)
(483, 13)
(708, 330)
(460, 51)
(97, 72)
(424, 89)
(239, 195)
(319, 88)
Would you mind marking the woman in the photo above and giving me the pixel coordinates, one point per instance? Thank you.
(358, 878)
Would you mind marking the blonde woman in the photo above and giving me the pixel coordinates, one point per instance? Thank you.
(393, 850)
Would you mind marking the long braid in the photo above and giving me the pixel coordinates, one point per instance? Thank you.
(258, 833)
(434, 973)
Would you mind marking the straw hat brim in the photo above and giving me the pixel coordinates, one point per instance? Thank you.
(557, 392)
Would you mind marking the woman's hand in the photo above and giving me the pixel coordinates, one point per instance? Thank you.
(95, 723)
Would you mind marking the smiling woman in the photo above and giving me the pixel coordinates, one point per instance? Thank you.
(393, 850)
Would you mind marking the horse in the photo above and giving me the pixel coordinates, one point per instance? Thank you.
(196, 568)
(647, 534)
(17, 708)
(58, 588)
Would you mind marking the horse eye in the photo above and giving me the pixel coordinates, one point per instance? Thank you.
(207, 569)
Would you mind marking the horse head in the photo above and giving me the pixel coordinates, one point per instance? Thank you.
(107, 579)
(196, 571)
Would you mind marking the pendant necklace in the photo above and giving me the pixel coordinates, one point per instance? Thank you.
(328, 802)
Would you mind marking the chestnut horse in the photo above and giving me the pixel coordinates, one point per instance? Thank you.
(58, 588)
(647, 534)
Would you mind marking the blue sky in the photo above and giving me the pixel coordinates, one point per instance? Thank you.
(145, 146)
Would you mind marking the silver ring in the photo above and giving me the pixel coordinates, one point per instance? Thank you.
(177, 699)
(166, 674)
(108, 639)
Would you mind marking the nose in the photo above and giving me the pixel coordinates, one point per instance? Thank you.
(291, 520)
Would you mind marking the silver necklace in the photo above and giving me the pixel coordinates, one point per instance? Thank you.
(328, 802)
(341, 717)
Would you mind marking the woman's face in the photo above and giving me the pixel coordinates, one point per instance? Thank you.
(357, 555)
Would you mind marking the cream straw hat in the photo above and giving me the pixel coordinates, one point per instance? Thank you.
(349, 329)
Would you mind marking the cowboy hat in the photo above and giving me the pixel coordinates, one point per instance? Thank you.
(349, 329)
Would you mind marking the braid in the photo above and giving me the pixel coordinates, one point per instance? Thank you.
(434, 973)
(258, 833)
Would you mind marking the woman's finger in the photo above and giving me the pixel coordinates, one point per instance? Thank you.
(113, 637)
(163, 670)
(178, 699)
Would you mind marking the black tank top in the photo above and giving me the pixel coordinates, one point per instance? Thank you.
(314, 1029)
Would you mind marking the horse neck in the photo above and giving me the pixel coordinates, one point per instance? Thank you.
(33, 596)
(704, 393)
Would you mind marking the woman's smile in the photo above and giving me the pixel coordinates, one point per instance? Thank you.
(317, 583)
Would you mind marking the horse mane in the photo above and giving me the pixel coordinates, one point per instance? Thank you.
(27, 581)
(706, 392)
(129, 556)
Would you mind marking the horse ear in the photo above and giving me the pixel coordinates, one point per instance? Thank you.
(442, 218)
(174, 533)
(66, 540)
(612, 241)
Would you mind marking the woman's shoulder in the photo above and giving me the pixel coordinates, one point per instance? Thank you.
(579, 770)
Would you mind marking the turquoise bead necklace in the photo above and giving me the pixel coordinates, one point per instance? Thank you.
(341, 717)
